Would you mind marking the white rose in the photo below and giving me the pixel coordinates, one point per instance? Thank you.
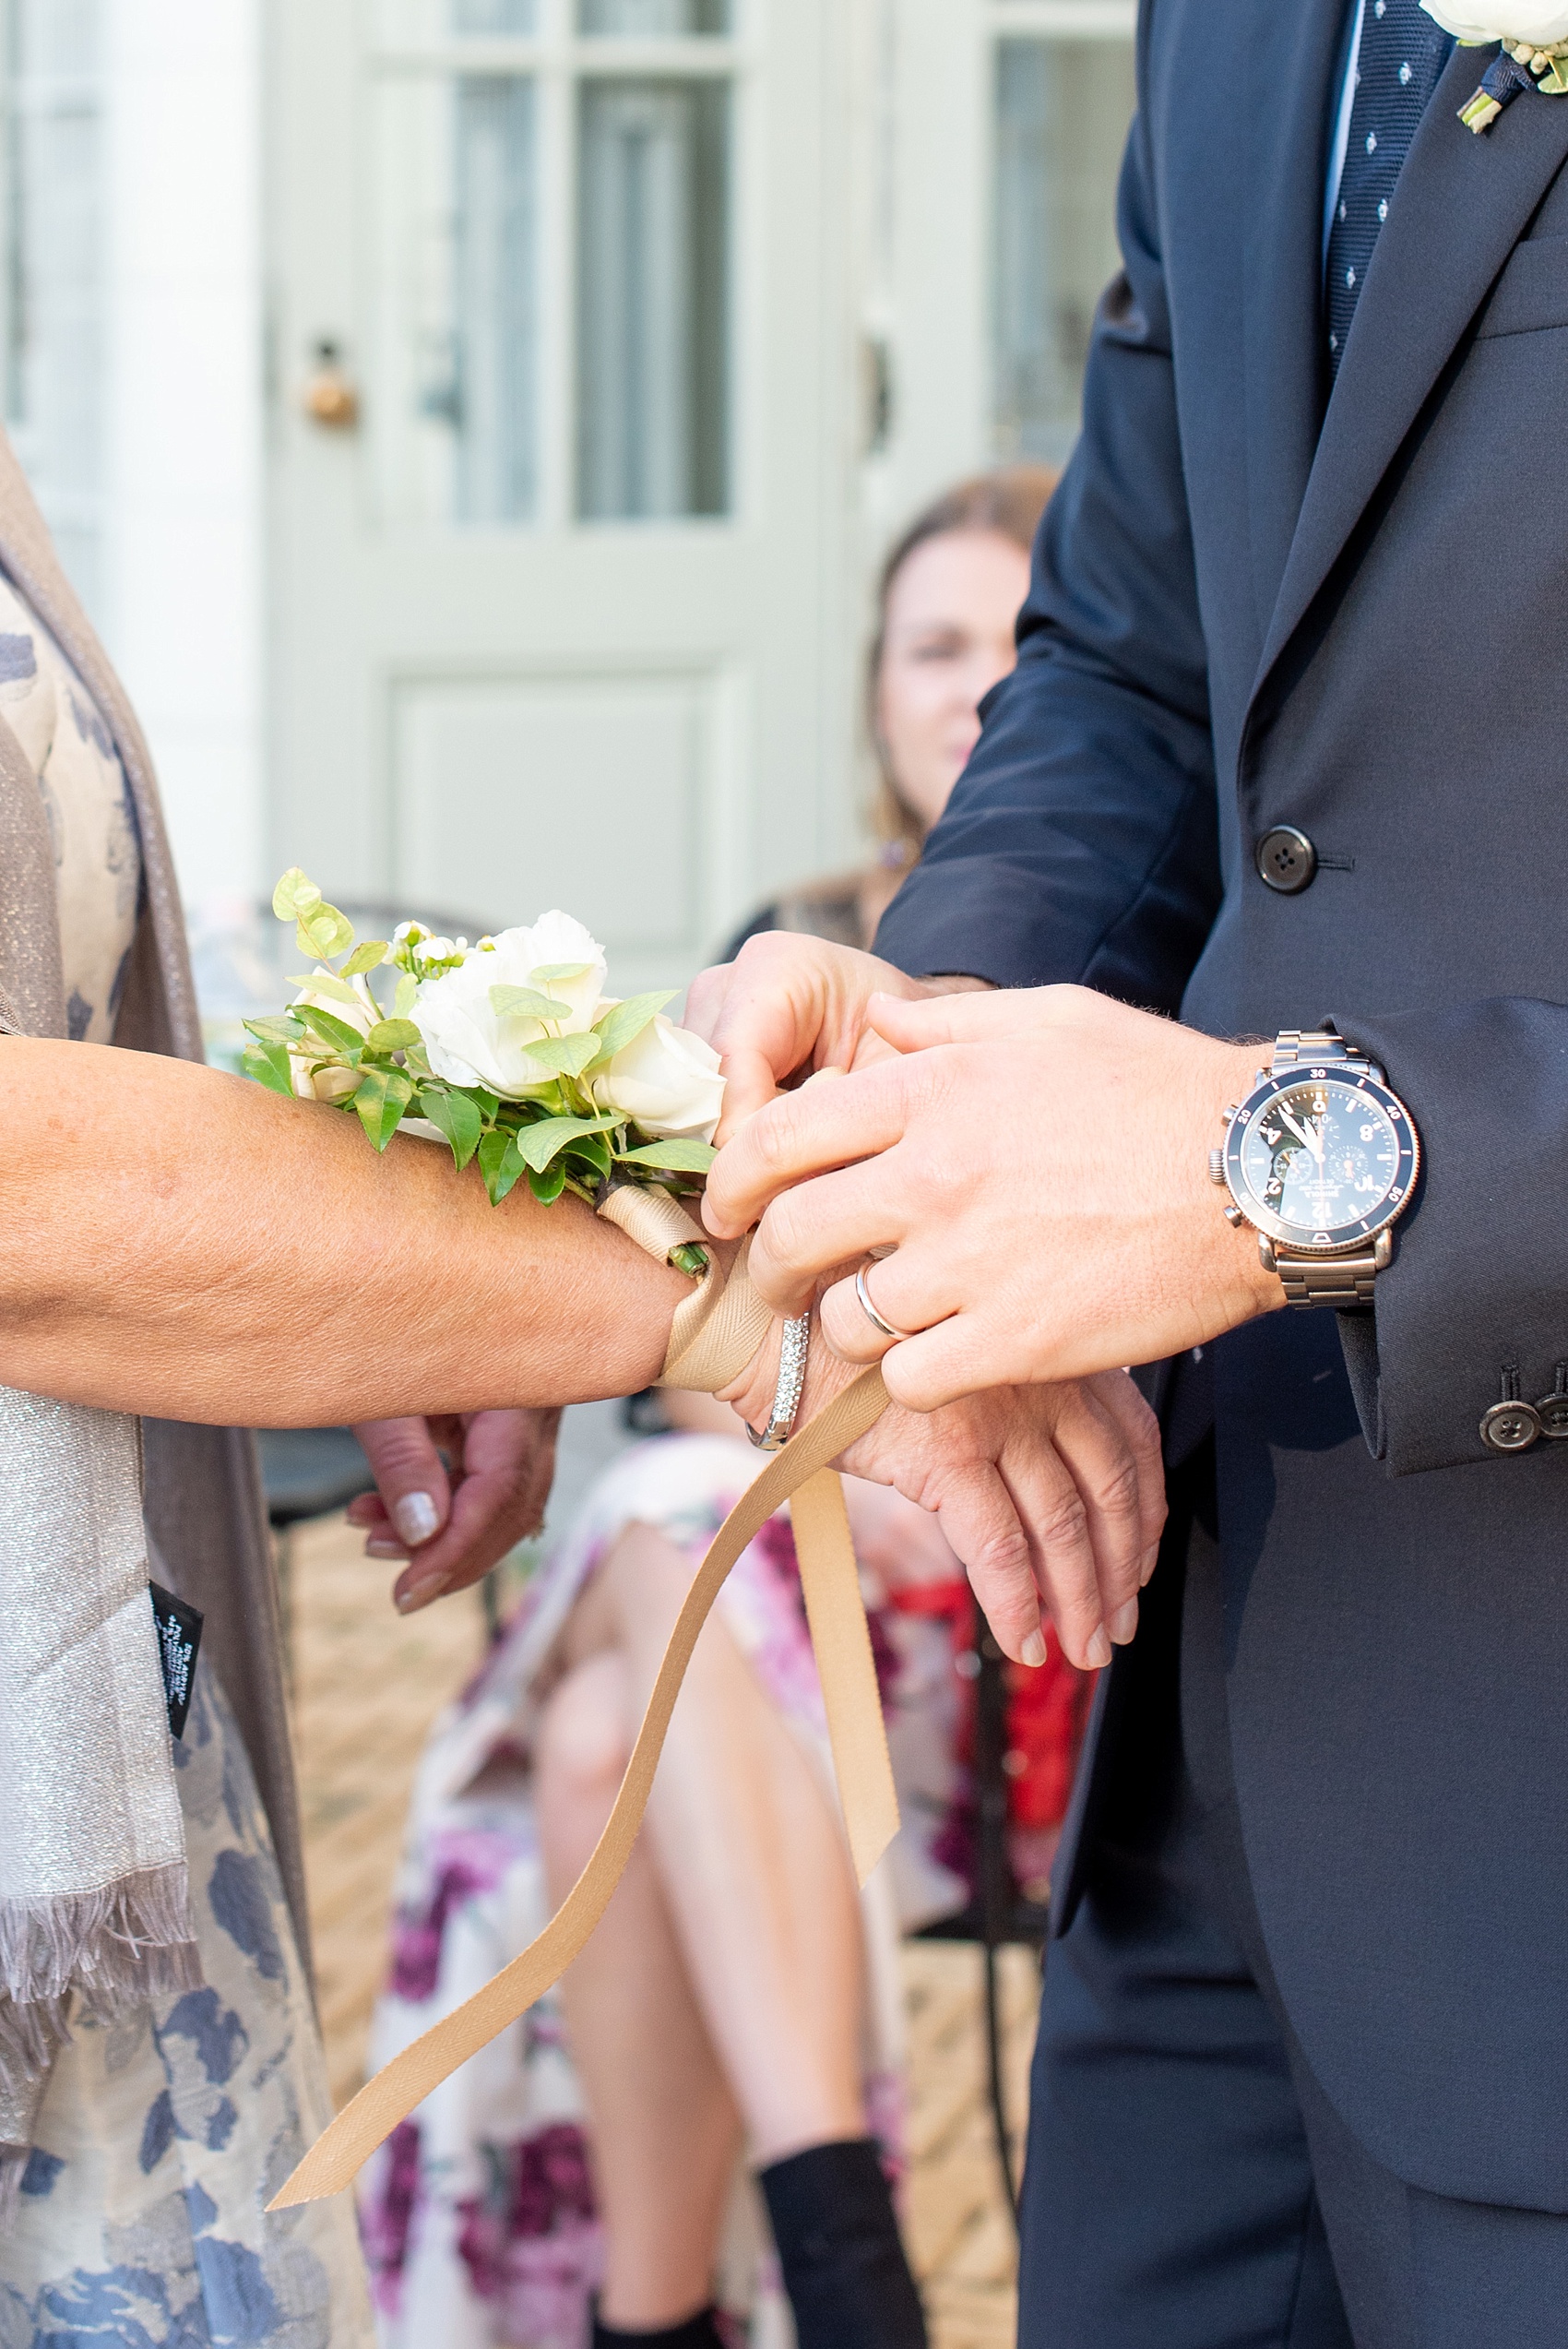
(470, 1042)
(668, 1082)
(331, 1084)
(1510, 20)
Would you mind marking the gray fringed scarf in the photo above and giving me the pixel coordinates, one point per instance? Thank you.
(94, 1905)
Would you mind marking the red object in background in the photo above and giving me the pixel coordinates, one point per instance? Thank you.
(1048, 1709)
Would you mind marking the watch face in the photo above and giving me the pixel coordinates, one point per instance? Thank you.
(1320, 1160)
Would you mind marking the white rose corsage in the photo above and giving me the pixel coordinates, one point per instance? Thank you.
(508, 1050)
(1534, 52)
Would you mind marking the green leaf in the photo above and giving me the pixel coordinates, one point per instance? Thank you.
(677, 1157)
(384, 1094)
(524, 1003)
(548, 971)
(324, 983)
(538, 1144)
(324, 931)
(403, 1000)
(547, 1187)
(277, 1028)
(268, 1064)
(393, 1035)
(295, 895)
(592, 1152)
(368, 956)
(625, 1023)
(329, 1028)
(500, 1164)
(457, 1117)
(564, 1055)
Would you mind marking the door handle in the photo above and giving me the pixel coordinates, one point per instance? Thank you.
(330, 398)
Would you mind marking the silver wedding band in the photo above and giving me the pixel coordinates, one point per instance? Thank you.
(872, 1315)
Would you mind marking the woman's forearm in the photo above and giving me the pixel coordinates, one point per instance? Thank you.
(179, 1243)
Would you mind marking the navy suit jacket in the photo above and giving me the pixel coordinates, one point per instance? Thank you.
(1253, 604)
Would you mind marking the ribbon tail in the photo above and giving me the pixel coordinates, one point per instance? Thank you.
(830, 1583)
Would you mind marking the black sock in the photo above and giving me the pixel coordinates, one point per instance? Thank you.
(697, 2333)
(844, 2267)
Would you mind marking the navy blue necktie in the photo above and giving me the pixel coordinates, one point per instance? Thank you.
(1401, 59)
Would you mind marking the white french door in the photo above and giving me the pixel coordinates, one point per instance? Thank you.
(564, 613)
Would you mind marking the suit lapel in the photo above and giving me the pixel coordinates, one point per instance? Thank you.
(1295, 62)
(1460, 208)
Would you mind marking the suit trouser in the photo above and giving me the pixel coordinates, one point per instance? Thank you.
(1188, 2185)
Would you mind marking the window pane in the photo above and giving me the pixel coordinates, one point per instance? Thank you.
(652, 20)
(653, 267)
(1062, 107)
(54, 322)
(456, 406)
(439, 19)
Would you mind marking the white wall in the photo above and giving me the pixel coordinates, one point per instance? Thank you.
(182, 571)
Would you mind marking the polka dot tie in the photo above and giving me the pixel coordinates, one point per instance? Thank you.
(1402, 55)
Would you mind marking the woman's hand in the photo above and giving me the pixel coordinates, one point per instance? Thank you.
(453, 1524)
(1052, 1497)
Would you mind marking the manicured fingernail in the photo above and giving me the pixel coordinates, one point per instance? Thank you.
(384, 1545)
(420, 1595)
(1150, 1560)
(1097, 1654)
(416, 1518)
(1124, 1623)
(1033, 1651)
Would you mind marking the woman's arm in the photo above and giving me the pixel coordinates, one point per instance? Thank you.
(179, 1243)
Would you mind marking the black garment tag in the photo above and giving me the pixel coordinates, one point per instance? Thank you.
(179, 1637)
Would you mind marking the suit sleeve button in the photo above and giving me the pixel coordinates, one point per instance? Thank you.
(1285, 860)
(1510, 1428)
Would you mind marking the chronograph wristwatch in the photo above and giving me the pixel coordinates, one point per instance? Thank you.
(1320, 1158)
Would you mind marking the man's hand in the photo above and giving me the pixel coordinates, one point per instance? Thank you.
(789, 1006)
(454, 1525)
(1038, 1163)
(1052, 1497)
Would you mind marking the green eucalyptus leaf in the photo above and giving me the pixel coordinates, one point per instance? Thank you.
(544, 1141)
(368, 956)
(383, 1096)
(564, 1055)
(277, 1028)
(393, 1035)
(676, 1158)
(324, 931)
(525, 1003)
(269, 1065)
(457, 1117)
(329, 1028)
(547, 1187)
(625, 1023)
(403, 1000)
(325, 982)
(296, 894)
(500, 1164)
(548, 971)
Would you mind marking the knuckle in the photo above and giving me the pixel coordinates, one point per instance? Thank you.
(1119, 1494)
(1063, 1522)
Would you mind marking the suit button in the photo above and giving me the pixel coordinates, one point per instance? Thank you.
(1510, 1427)
(1287, 860)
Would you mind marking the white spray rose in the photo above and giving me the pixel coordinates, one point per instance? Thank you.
(470, 1042)
(668, 1082)
(1478, 22)
(331, 1084)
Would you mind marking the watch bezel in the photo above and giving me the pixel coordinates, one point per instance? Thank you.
(1349, 1239)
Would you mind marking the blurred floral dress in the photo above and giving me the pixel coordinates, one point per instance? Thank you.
(478, 2215)
(140, 2221)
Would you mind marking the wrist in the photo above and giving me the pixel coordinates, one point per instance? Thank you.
(1251, 1285)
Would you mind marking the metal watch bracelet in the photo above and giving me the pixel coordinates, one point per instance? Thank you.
(1342, 1280)
(791, 1384)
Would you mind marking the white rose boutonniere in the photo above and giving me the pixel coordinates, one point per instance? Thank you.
(1534, 39)
(508, 1052)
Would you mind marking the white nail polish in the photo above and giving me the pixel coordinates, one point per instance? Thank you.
(416, 1518)
(1033, 1651)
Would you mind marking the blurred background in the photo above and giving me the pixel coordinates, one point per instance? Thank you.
(474, 424)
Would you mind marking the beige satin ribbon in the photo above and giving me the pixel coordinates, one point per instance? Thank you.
(704, 1336)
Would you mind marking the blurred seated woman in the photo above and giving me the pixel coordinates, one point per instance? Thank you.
(741, 2000)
